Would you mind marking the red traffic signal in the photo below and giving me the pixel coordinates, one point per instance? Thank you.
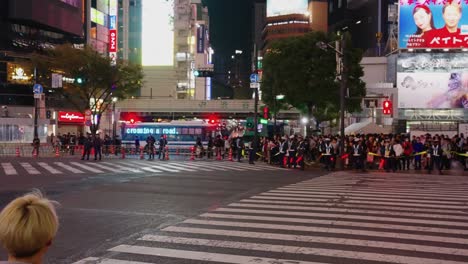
(132, 121)
(387, 107)
(266, 112)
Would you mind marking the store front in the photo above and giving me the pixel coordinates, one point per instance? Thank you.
(70, 122)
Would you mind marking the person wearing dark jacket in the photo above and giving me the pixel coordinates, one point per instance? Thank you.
(418, 147)
(435, 154)
(87, 145)
(97, 144)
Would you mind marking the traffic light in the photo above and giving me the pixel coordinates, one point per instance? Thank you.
(387, 107)
(249, 123)
(132, 120)
(266, 112)
(79, 80)
(48, 114)
(203, 73)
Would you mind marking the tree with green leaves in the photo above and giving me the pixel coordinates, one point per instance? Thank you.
(94, 82)
(307, 76)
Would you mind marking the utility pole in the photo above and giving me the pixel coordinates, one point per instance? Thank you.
(255, 139)
(344, 77)
(36, 102)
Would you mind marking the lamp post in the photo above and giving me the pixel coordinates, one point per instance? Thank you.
(114, 123)
(277, 98)
(344, 76)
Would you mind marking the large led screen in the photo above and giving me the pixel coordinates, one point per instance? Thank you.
(433, 80)
(158, 33)
(436, 24)
(282, 7)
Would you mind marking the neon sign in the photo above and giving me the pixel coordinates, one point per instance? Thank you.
(150, 130)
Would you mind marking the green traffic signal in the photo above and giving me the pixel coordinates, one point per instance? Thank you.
(196, 73)
(79, 80)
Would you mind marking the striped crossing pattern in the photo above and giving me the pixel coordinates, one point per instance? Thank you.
(338, 218)
(65, 168)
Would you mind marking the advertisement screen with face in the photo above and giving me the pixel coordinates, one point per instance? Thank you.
(432, 81)
(441, 24)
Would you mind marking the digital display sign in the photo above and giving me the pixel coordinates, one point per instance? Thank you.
(152, 131)
(433, 80)
(282, 7)
(71, 117)
(439, 24)
(158, 33)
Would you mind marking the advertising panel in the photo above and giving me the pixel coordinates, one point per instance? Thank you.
(281, 7)
(158, 33)
(201, 39)
(440, 24)
(433, 80)
(112, 40)
(71, 117)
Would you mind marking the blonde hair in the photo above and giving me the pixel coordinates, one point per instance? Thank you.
(28, 224)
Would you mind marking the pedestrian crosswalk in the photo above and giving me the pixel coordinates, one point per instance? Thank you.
(64, 168)
(337, 218)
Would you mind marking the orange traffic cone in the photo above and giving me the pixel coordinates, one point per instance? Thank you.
(192, 157)
(57, 153)
(17, 152)
(230, 154)
(123, 153)
(142, 155)
(167, 153)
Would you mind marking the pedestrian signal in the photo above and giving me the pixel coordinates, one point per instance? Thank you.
(387, 107)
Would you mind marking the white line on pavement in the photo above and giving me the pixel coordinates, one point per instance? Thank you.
(103, 167)
(396, 226)
(120, 167)
(157, 166)
(189, 166)
(68, 167)
(49, 168)
(29, 168)
(342, 216)
(9, 169)
(202, 256)
(88, 168)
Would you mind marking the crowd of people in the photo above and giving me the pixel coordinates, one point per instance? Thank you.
(371, 151)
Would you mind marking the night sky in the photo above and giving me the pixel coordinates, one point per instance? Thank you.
(230, 30)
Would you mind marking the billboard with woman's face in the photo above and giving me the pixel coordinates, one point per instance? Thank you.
(439, 24)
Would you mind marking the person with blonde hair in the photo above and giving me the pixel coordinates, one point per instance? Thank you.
(28, 225)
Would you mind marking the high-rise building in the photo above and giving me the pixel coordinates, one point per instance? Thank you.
(130, 30)
(175, 42)
(369, 22)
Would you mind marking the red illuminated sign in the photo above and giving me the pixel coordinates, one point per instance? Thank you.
(71, 117)
(112, 40)
(387, 107)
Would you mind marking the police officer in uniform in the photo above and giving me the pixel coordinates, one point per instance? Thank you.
(328, 154)
(435, 153)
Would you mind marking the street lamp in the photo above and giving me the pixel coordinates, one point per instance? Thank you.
(114, 123)
(344, 75)
(277, 98)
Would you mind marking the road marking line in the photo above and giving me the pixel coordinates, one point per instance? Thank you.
(107, 261)
(355, 206)
(355, 217)
(9, 169)
(158, 166)
(202, 256)
(329, 231)
(398, 226)
(69, 168)
(348, 201)
(88, 168)
(120, 167)
(358, 197)
(404, 189)
(305, 250)
(177, 167)
(49, 168)
(190, 166)
(104, 167)
(29, 168)
(354, 191)
(213, 166)
(351, 211)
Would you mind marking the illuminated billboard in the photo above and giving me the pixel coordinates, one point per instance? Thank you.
(433, 80)
(441, 24)
(282, 7)
(158, 33)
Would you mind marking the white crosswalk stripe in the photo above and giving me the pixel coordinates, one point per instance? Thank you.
(29, 168)
(68, 167)
(9, 169)
(49, 168)
(133, 166)
(344, 223)
(88, 168)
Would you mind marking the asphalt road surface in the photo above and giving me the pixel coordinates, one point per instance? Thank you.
(136, 212)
